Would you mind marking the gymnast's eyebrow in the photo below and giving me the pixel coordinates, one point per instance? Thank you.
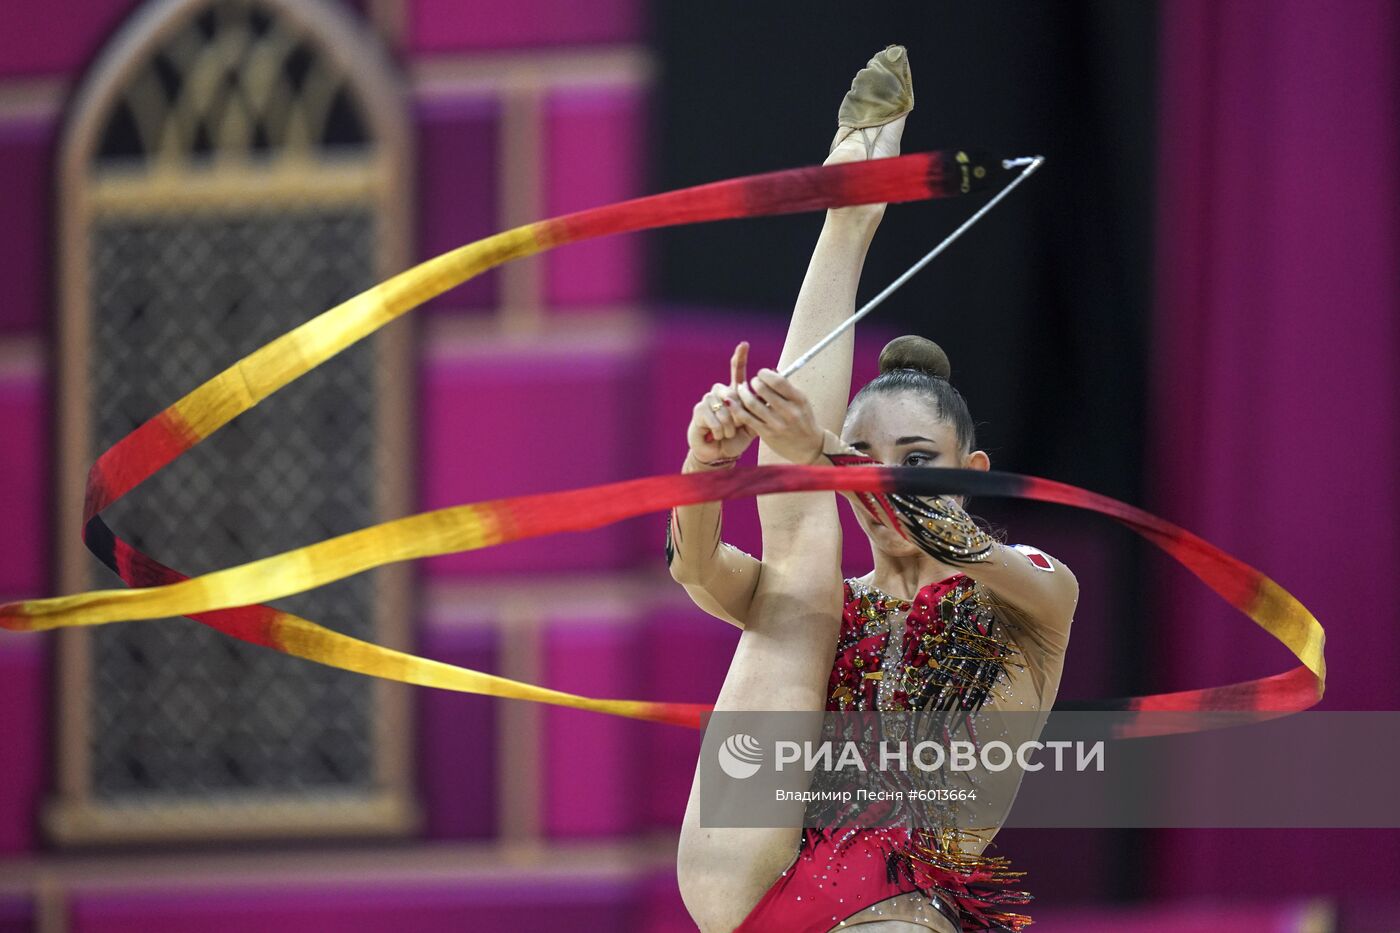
(912, 439)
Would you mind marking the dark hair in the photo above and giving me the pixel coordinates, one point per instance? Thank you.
(917, 364)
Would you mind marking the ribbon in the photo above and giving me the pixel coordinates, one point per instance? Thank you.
(230, 600)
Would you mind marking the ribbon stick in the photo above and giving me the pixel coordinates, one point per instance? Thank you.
(1030, 165)
(229, 600)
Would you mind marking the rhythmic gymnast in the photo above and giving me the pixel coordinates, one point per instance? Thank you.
(812, 641)
(990, 631)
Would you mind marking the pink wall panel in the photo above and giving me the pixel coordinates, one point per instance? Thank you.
(457, 738)
(26, 235)
(690, 669)
(25, 494)
(596, 766)
(461, 25)
(1190, 917)
(526, 904)
(663, 909)
(23, 736)
(458, 202)
(520, 421)
(596, 139)
(40, 37)
(1301, 281)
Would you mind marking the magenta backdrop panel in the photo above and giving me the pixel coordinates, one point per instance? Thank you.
(464, 25)
(595, 766)
(1202, 916)
(458, 149)
(25, 496)
(531, 904)
(1277, 410)
(688, 656)
(663, 909)
(38, 37)
(595, 139)
(23, 735)
(457, 737)
(26, 236)
(518, 421)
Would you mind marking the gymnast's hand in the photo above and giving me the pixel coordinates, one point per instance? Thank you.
(715, 434)
(781, 415)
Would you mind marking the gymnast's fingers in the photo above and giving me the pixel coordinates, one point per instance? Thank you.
(757, 411)
(733, 406)
(773, 384)
(705, 428)
(739, 364)
(719, 405)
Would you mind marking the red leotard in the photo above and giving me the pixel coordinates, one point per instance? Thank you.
(954, 652)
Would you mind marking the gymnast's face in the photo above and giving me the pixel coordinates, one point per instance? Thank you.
(904, 429)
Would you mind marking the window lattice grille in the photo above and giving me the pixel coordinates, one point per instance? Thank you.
(178, 708)
(234, 81)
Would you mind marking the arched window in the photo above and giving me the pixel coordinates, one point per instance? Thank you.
(229, 169)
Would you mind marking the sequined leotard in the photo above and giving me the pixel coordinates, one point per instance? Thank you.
(956, 654)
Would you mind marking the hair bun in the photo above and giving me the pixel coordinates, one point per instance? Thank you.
(915, 352)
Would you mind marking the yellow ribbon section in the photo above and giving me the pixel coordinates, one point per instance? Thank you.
(428, 534)
(305, 639)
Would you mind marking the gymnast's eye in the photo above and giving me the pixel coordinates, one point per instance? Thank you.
(919, 458)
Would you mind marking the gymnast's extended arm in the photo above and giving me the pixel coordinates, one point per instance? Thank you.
(718, 577)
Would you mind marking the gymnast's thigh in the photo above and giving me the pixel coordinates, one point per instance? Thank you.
(782, 663)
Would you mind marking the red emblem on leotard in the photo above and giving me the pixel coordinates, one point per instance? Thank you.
(1036, 557)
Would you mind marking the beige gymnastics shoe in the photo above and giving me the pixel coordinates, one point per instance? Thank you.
(870, 120)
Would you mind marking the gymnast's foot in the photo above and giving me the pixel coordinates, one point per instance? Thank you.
(871, 119)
